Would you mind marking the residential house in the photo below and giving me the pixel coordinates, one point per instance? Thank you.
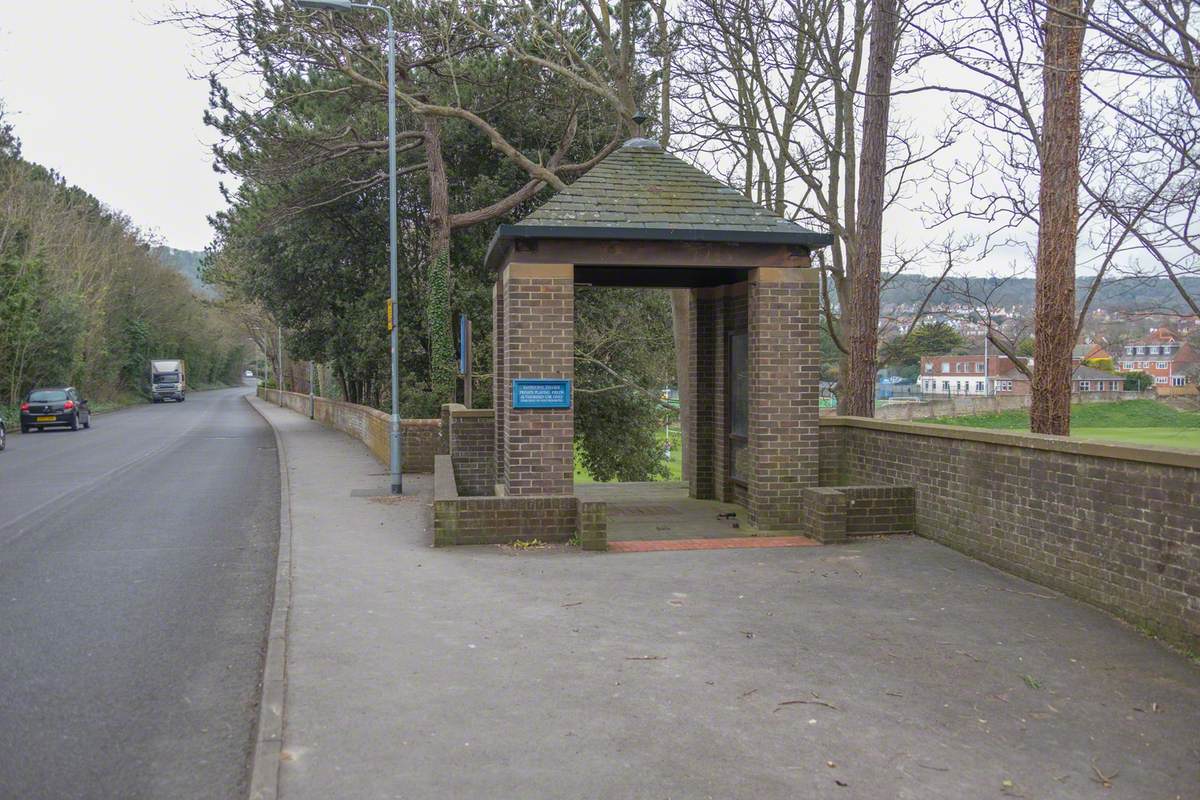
(962, 375)
(1085, 380)
(1171, 361)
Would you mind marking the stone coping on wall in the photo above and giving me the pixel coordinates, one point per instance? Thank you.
(408, 422)
(1034, 441)
(471, 413)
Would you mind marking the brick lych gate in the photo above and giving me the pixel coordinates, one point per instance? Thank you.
(644, 218)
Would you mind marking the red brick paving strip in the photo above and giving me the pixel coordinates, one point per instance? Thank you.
(710, 544)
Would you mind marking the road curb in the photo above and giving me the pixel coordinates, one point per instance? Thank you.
(268, 740)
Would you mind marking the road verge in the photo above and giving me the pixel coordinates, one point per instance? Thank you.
(268, 740)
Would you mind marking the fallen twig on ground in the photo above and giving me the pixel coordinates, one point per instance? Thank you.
(806, 703)
(1101, 778)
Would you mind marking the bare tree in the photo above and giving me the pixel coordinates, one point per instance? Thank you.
(862, 317)
(772, 97)
(1054, 312)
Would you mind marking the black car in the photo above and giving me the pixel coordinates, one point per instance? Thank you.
(54, 405)
(3, 434)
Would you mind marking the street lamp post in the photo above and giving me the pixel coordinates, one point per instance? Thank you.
(345, 5)
(279, 349)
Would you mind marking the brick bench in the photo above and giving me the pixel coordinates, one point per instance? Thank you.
(835, 513)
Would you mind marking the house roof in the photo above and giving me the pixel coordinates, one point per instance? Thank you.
(1085, 373)
(1158, 336)
(641, 192)
(1091, 350)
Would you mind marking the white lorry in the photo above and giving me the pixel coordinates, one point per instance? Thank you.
(168, 380)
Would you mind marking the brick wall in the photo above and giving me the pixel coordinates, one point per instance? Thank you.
(370, 426)
(1115, 526)
(733, 320)
(472, 449)
(703, 365)
(461, 520)
(879, 510)
(538, 342)
(835, 513)
(715, 313)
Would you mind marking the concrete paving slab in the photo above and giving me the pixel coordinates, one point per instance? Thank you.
(662, 511)
(888, 668)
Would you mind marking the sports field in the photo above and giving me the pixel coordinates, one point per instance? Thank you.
(1140, 422)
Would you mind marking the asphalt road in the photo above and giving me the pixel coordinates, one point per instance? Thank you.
(136, 564)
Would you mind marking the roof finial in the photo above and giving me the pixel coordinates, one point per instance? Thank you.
(639, 140)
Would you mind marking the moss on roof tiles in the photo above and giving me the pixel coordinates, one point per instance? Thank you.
(640, 185)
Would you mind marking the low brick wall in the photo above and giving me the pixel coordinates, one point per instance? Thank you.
(835, 513)
(459, 520)
(1115, 526)
(934, 405)
(370, 426)
(470, 434)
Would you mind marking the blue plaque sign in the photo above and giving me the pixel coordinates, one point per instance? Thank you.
(541, 393)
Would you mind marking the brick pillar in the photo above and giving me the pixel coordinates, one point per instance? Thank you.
(498, 372)
(704, 305)
(539, 342)
(785, 375)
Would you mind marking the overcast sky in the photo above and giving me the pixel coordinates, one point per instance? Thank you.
(99, 93)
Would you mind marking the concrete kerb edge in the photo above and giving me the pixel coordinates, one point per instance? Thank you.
(268, 740)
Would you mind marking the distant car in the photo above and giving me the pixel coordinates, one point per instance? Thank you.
(3, 434)
(248, 374)
(51, 406)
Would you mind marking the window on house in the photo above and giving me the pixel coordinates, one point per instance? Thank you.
(945, 386)
(1157, 364)
(1179, 380)
(928, 364)
(945, 364)
(1085, 386)
(979, 386)
(1160, 379)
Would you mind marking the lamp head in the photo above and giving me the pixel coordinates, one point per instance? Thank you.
(326, 5)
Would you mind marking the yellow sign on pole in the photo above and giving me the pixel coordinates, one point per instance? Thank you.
(390, 323)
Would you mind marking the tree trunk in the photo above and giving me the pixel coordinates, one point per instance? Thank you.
(1058, 198)
(441, 337)
(862, 323)
(680, 298)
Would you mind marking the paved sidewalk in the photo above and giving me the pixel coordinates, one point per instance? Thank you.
(889, 668)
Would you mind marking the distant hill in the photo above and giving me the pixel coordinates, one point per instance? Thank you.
(187, 264)
(1114, 296)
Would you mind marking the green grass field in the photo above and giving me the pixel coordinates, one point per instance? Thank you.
(675, 465)
(1141, 422)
